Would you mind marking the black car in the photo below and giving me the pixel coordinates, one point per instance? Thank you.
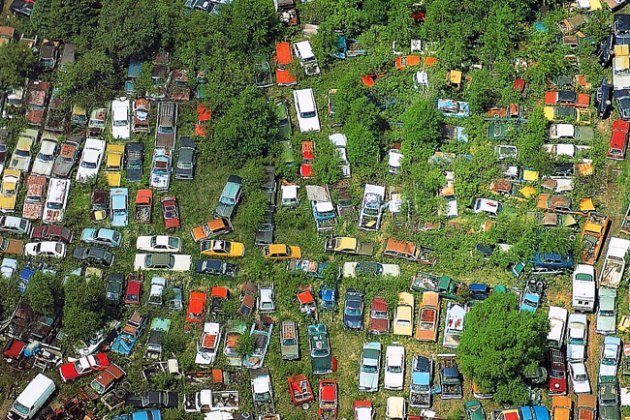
(185, 168)
(155, 399)
(216, 268)
(270, 186)
(22, 7)
(622, 100)
(264, 235)
(114, 288)
(603, 99)
(605, 52)
(353, 309)
(135, 156)
(621, 28)
(93, 255)
(564, 169)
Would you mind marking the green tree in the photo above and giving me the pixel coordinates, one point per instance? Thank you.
(421, 131)
(16, 62)
(44, 293)
(68, 20)
(246, 130)
(92, 78)
(499, 343)
(254, 24)
(83, 309)
(326, 165)
(246, 344)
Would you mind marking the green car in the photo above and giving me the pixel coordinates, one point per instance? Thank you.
(474, 410)
(284, 120)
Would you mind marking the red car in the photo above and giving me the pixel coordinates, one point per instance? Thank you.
(557, 372)
(283, 59)
(204, 115)
(618, 140)
(328, 402)
(134, 289)
(567, 98)
(363, 410)
(308, 155)
(83, 366)
(170, 210)
(196, 306)
(379, 316)
(52, 233)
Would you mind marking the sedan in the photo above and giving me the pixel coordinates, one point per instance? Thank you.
(90, 159)
(66, 159)
(370, 367)
(394, 367)
(45, 158)
(83, 366)
(185, 167)
(102, 236)
(45, 249)
(579, 378)
(94, 255)
(174, 262)
(52, 233)
(281, 252)
(353, 309)
(557, 372)
(217, 248)
(159, 243)
(609, 362)
(577, 337)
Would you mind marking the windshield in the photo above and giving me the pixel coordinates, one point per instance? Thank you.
(22, 153)
(54, 206)
(369, 369)
(88, 165)
(20, 408)
(120, 123)
(394, 369)
(44, 157)
(166, 130)
(308, 114)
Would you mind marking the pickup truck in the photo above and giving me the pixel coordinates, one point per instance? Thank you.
(450, 378)
(420, 387)
(322, 207)
(445, 286)
(230, 196)
(614, 263)
(454, 324)
(348, 245)
(289, 341)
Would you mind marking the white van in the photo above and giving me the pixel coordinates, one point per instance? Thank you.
(56, 200)
(33, 398)
(306, 110)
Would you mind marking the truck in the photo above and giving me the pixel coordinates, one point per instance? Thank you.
(32, 398)
(454, 324)
(558, 322)
(129, 335)
(289, 340)
(618, 144)
(230, 196)
(372, 207)
(143, 206)
(262, 392)
(614, 263)
(322, 207)
(445, 286)
(583, 296)
(348, 245)
(420, 387)
(593, 237)
(450, 378)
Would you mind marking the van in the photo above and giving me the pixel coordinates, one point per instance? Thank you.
(32, 399)
(306, 110)
(56, 200)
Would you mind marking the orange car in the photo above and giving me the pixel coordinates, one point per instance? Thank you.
(196, 307)
(407, 61)
(211, 229)
(428, 318)
(283, 58)
(204, 115)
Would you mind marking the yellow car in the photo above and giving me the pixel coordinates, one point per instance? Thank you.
(281, 252)
(624, 325)
(9, 189)
(403, 315)
(222, 249)
(114, 159)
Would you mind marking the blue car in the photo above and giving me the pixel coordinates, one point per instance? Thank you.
(328, 296)
(118, 198)
(479, 291)
(154, 414)
(552, 261)
(353, 309)
(102, 236)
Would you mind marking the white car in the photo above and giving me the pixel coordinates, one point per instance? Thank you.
(90, 159)
(159, 243)
(172, 262)
(52, 249)
(577, 339)
(341, 142)
(266, 303)
(490, 207)
(579, 378)
(56, 200)
(8, 267)
(394, 367)
(351, 269)
(120, 119)
(45, 158)
(570, 150)
(394, 160)
(609, 362)
(306, 110)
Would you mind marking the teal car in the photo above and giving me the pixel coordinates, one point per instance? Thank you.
(474, 410)
(370, 367)
(102, 236)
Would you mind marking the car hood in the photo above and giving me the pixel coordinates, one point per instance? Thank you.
(134, 174)
(42, 168)
(368, 380)
(68, 372)
(605, 323)
(394, 379)
(119, 220)
(264, 237)
(575, 351)
(379, 324)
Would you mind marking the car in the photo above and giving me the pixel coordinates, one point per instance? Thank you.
(51, 249)
(90, 159)
(204, 115)
(52, 233)
(306, 110)
(173, 262)
(618, 144)
(166, 126)
(9, 190)
(56, 200)
(21, 157)
(284, 120)
(281, 252)
(185, 166)
(394, 160)
(579, 378)
(606, 318)
(135, 161)
(370, 367)
(474, 410)
(83, 366)
(370, 268)
(8, 267)
(218, 248)
(161, 167)
(101, 236)
(45, 159)
(353, 309)
(490, 207)
(211, 229)
(577, 337)
(216, 268)
(265, 234)
(15, 225)
(10, 246)
(120, 119)
(93, 255)
(403, 315)
(155, 399)
(608, 398)
(379, 316)
(114, 162)
(159, 243)
(609, 361)
(65, 160)
(22, 7)
(114, 287)
(134, 289)
(557, 372)
(363, 410)
(119, 206)
(394, 368)
(603, 99)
